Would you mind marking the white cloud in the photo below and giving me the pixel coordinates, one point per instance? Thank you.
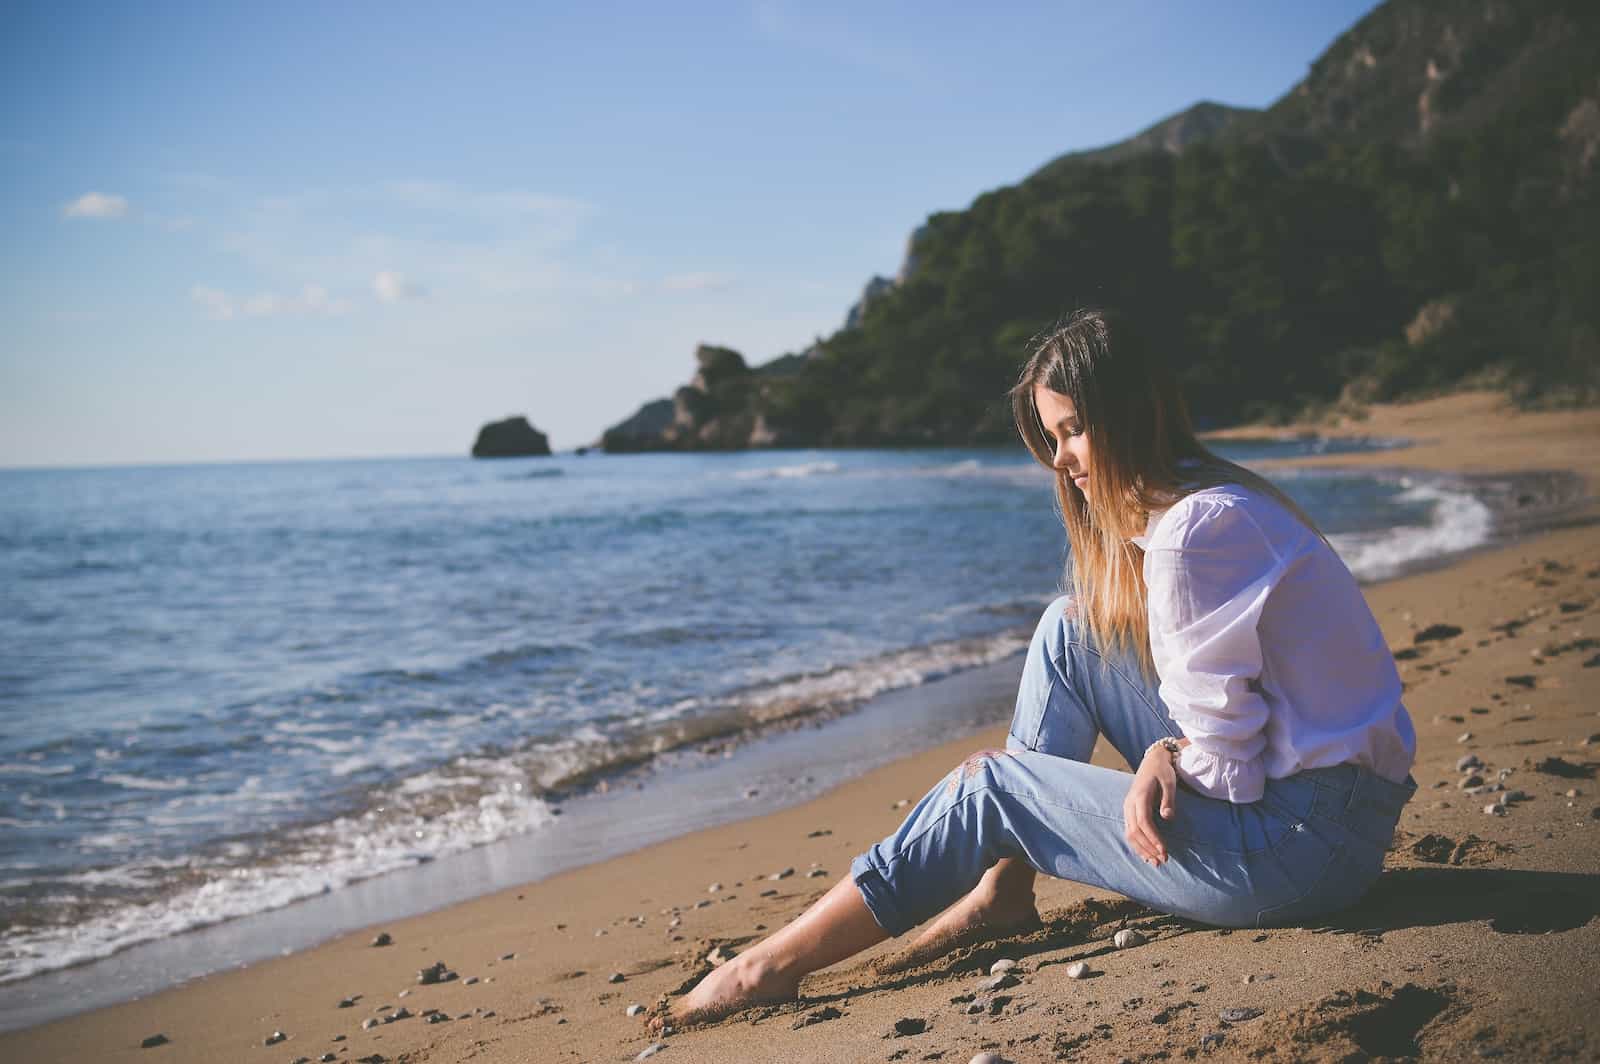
(96, 205)
(392, 287)
(697, 282)
(312, 301)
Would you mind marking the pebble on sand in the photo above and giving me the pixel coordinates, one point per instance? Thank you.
(1127, 938)
(988, 1058)
(633, 1010)
(1077, 970)
(1468, 762)
(616, 977)
(650, 1050)
(1004, 964)
(1239, 1015)
(1001, 982)
(153, 1041)
(274, 1038)
(1495, 809)
(1464, 737)
(782, 874)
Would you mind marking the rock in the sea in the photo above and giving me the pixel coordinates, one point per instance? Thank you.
(511, 438)
(153, 1041)
(1127, 938)
(1077, 970)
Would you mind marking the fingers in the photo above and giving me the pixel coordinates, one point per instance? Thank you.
(1169, 796)
(1138, 826)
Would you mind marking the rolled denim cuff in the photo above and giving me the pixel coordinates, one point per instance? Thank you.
(879, 900)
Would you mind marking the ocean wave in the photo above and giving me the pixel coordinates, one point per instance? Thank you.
(788, 472)
(1458, 521)
(474, 802)
(469, 801)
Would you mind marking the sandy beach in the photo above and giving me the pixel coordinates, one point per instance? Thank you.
(1478, 942)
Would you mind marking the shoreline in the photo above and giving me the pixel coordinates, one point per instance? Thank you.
(707, 851)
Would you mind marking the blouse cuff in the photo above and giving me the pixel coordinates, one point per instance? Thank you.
(1230, 779)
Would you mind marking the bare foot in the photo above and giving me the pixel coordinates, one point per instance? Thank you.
(997, 906)
(745, 981)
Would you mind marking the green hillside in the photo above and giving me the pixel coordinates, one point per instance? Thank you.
(1419, 212)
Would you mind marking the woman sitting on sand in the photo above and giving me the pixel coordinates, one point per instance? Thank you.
(1215, 640)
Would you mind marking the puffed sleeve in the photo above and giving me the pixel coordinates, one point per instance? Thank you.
(1207, 577)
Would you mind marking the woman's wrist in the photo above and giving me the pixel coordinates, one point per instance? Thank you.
(1167, 747)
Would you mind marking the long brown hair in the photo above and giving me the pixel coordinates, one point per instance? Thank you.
(1139, 430)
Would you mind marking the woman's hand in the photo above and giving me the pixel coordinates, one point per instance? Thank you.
(1155, 783)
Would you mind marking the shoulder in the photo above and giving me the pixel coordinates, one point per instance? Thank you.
(1229, 516)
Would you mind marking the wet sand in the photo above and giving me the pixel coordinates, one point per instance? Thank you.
(1480, 940)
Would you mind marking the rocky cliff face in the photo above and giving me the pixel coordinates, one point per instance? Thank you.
(720, 409)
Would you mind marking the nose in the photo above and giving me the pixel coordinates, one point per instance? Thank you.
(1061, 460)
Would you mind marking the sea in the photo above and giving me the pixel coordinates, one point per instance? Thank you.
(225, 688)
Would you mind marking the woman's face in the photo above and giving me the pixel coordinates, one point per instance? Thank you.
(1065, 434)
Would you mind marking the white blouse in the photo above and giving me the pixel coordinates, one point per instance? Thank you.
(1269, 658)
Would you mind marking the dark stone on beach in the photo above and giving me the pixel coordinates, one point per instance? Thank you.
(616, 977)
(1213, 1040)
(376, 1058)
(1436, 631)
(328, 1058)
(274, 1038)
(437, 1017)
(437, 972)
(1522, 681)
(153, 1041)
(1407, 654)
(822, 833)
(1002, 981)
(1435, 849)
(347, 1003)
(1239, 1015)
(511, 438)
(383, 939)
(908, 1025)
(401, 1013)
(1593, 662)
(369, 1023)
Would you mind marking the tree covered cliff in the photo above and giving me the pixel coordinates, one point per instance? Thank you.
(1420, 211)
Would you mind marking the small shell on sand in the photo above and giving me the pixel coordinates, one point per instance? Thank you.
(1077, 970)
(1127, 938)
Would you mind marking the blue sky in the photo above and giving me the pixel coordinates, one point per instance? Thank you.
(249, 231)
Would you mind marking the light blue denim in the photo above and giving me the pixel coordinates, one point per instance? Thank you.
(1312, 845)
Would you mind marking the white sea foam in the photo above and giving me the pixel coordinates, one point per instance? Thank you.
(787, 472)
(139, 783)
(491, 801)
(1458, 521)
